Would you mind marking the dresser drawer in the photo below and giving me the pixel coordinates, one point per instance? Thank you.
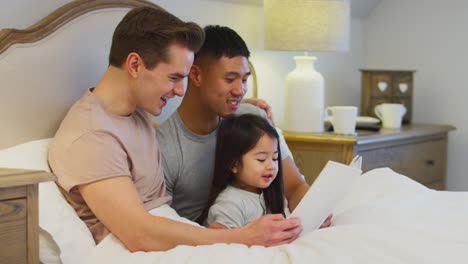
(423, 162)
(13, 231)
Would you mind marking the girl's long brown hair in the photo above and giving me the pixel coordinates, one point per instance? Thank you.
(237, 135)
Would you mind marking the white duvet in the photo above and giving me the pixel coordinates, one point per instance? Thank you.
(386, 218)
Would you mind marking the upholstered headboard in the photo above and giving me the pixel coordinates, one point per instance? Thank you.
(45, 68)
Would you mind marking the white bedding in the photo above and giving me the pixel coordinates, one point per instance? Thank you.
(386, 218)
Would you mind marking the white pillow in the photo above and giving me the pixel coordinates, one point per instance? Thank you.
(49, 252)
(56, 216)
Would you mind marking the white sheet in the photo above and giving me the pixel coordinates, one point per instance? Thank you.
(386, 218)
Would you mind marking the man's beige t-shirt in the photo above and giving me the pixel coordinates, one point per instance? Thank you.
(92, 144)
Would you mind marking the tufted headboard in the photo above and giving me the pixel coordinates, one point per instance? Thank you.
(45, 68)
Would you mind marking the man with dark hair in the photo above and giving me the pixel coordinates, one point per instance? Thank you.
(217, 84)
(105, 152)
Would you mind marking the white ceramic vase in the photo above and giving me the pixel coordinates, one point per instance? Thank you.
(305, 97)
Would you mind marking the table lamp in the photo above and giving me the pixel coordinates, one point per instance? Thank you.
(306, 25)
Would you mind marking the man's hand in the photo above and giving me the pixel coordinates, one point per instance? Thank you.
(327, 222)
(262, 104)
(272, 230)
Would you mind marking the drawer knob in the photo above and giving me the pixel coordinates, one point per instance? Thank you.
(430, 162)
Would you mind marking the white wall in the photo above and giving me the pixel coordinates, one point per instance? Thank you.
(431, 37)
(20, 14)
(340, 70)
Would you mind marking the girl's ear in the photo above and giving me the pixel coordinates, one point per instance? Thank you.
(235, 168)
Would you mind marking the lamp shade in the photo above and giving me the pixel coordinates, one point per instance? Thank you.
(306, 25)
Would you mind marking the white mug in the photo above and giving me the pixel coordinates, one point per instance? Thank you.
(343, 118)
(390, 114)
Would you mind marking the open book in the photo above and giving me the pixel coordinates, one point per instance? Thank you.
(330, 187)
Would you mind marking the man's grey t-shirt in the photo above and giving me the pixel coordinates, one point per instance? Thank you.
(188, 162)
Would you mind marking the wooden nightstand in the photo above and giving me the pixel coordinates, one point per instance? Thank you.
(417, 151)
(19, 224)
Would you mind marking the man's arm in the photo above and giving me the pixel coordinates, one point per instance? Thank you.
(216, 225)
(295, 186)
(116, 203)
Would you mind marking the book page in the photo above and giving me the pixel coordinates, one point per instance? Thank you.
(332, 184)
(356, 162)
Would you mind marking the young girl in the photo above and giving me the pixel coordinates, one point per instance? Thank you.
(247, 180)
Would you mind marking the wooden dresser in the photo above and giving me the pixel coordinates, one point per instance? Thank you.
(417, 151)
(19, 224)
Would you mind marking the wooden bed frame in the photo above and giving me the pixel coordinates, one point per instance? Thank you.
(60, 17)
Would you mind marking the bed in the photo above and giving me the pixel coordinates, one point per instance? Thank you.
(385, 218)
